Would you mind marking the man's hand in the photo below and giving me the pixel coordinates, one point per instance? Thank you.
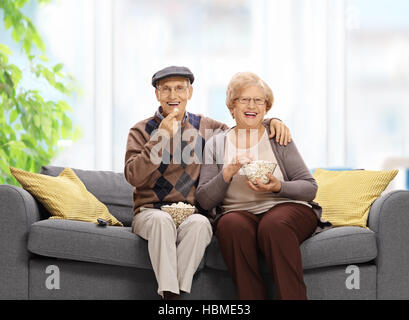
(170, 124)
(232, 168)
(274, 185)
(280, 131)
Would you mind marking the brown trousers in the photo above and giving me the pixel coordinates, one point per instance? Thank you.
(278, 233)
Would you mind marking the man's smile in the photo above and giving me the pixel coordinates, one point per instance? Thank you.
(173, 104)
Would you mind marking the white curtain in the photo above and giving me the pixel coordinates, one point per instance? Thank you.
(297, 46)
(304, 59)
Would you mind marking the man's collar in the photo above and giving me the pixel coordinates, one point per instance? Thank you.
(159, 114)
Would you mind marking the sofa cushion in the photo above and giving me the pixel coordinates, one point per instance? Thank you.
(64, 196)
(336, 246)
(109, 187)
(346, 196)
(85, 241)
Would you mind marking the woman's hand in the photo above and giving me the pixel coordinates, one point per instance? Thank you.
(233, 167)
(274, 185)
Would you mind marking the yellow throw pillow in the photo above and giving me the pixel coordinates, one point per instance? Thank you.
(65, 196)
(346, 196)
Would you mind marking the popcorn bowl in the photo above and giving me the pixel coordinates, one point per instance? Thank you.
(179, 211)
(258, 169)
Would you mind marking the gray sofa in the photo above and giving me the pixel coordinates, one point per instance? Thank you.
(113, 263)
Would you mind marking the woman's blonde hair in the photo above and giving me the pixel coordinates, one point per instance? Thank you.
(243, 80)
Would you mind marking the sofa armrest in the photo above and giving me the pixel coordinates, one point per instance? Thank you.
(18, 210)
(389, 219)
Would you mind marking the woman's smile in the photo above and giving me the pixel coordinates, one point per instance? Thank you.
(248, 111)
(250, 114)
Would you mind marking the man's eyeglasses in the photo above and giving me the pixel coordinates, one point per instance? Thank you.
(179, 90)
(246, 101)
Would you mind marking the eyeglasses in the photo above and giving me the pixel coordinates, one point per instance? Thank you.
(246, 101)
(179, 90)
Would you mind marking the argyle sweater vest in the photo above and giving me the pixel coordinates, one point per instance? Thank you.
(156, 184)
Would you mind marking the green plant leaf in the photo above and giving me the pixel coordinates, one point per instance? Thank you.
(16, 35)
(8, 79)
(21, 160)
(58, 67)
(49, 76)
(63, 106)
(44, 58)
(20, 3)
(8, 21)
(28, 141)
(18, 145)
(38, 41)
(5, 49)
(27, 46)
(60, 87)
(3, 154)
(4, 164)
(13, 116)
(46, 126)
(66, 122)
(15, 74)
(37, 120)
(7, 89)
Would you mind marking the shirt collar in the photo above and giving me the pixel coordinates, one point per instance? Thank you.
(159, 114)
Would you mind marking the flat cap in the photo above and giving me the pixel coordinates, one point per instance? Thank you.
(172, 71)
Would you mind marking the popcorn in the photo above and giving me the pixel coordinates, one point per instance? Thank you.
(179, 211)
(258, 169)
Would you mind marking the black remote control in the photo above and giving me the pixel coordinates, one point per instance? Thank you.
(102, 222)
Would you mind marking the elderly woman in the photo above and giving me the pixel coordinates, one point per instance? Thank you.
(273, 218)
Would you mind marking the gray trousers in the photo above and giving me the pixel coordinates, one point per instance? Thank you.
(175, 253)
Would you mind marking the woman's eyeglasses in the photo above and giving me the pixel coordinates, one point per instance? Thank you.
(246, 101)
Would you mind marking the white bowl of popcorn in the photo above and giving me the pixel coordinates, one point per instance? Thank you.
(258, 169)
(179, 211)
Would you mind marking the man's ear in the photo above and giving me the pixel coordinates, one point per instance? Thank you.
(190, 92)
(157, 94)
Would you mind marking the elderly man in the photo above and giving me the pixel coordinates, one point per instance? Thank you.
(175, 252)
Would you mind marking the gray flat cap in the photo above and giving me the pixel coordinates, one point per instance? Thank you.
(172, 71)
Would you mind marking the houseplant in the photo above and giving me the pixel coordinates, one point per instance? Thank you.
(30, 124)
